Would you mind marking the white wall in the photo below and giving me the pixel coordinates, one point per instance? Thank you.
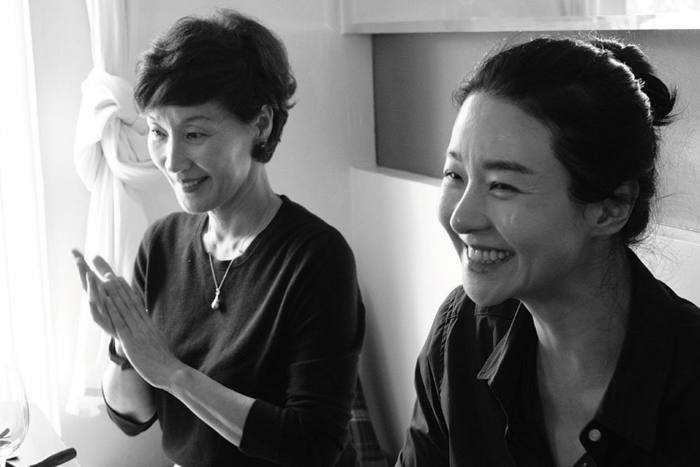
(330, 129)
(406, 267)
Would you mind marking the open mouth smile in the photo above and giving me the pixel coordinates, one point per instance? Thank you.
(487, 255)
(191, 185)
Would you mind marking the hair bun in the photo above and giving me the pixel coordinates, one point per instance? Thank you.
(661, 98)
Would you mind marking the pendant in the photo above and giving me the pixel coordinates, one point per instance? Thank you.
(216, 302)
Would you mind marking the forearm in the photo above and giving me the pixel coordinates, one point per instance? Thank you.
(127, 393)
(222, 408)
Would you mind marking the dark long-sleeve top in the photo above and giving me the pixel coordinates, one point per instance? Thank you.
(288, 334)
(477, 397)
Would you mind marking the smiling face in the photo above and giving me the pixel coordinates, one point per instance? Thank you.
(506, 206)
(204, 151)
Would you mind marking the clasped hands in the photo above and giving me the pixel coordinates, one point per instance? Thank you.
(120, 311)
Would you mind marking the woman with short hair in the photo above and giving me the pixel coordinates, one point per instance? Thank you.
(242, 330)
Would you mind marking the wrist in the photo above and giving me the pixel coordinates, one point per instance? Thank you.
(116, 354)
(177, 379)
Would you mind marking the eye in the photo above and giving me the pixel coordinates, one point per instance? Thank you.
(502, 187)
(157, 133)
(194, 135)
(450, 175)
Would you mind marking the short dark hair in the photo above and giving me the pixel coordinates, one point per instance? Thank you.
(228, 58)
(603, 103)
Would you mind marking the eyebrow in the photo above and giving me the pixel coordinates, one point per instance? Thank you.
(499, 165)
(199, 117)
(510, 166)
(187, 120)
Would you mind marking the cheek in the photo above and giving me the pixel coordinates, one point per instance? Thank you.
(544, 232)
(156, 155)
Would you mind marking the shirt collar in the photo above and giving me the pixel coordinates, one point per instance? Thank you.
(631, 404)
(503, 367)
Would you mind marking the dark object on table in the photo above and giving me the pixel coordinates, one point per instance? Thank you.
(53, 460)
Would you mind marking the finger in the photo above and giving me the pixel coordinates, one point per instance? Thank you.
(116, 307)
(113, 286)
(133, 298)
(102, 267)
(82, 267)
(93, 289)
(97, 305)
(102, 319)
(126, 300)
(117, 298)
(77, 254)
(121, 325)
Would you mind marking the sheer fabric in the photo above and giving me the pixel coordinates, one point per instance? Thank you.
(25, 318)
(112, 160)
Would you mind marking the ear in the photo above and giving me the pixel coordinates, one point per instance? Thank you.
(263, 124)
(609, 216)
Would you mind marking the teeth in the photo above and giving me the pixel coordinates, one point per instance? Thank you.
(487, 256)
(190, 183)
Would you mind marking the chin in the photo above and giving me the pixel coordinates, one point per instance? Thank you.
(490, 284)
(482, 297)
(482, 291)
(191, 206)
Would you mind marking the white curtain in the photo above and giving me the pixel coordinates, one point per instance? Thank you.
(112, 160)
(25, 325)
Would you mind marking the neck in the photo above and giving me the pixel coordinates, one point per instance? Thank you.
(232, 226)
(580, 332)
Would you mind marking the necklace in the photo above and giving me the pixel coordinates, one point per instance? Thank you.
(216, 303)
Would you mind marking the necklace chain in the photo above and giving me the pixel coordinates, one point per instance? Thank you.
(216, 303)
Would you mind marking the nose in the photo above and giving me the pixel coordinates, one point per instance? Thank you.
(469, 214)
(175, 156)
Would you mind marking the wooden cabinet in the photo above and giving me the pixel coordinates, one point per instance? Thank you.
(416, 16)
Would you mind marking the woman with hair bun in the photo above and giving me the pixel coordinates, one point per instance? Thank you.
(560, 348)
(242, 331)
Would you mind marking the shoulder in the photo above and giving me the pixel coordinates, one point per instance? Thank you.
(679, 426)
(307, 234)
(177, 221)
(685, 322)
(171, 230)
(661, 308)
(671, 324)
(455, 305)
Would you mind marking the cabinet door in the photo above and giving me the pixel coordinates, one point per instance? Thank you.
(406, 16)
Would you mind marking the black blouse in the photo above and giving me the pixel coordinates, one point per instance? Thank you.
(477, 402)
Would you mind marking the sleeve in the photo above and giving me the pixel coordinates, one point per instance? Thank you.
(426, 440)
(125, 424)
(327, 329)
